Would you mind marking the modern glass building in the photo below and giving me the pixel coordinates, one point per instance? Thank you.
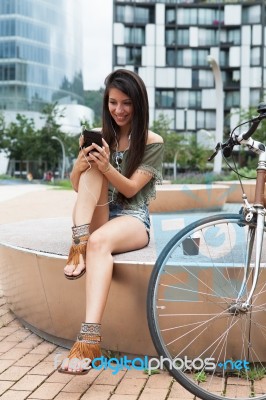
(40, 53)
(167, 42)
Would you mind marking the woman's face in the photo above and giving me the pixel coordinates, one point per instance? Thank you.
(121, 108)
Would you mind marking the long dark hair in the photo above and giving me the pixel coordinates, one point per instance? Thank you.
(133, 86)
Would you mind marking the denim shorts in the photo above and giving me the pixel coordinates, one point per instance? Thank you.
(117, 210)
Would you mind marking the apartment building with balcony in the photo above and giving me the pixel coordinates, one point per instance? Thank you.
(167, 43)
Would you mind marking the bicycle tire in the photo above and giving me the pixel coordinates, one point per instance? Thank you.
(178, 284)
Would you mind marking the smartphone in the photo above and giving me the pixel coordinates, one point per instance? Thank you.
(92, 137)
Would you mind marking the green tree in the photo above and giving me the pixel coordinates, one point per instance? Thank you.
(172, 140)
(22, 141)
(184, 148)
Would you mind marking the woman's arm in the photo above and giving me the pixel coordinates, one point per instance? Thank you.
(82, 163)
(127, 186)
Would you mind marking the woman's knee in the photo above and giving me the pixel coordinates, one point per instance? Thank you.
(98, 242)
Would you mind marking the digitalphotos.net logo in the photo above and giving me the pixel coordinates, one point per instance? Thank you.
(149, 364)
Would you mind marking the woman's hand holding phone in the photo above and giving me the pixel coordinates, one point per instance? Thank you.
(101, 156)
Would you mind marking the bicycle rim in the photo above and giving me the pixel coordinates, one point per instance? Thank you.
(213, 350)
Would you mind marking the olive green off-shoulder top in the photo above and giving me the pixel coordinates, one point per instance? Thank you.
(151, 164)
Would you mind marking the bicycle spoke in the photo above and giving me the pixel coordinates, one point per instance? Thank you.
(197, 297)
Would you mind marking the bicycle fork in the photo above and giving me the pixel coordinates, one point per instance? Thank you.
(258, 231)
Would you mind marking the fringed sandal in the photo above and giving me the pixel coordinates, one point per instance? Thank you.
(85, 349)
(80, 236)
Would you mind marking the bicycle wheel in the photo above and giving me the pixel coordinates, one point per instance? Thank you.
(213, 349)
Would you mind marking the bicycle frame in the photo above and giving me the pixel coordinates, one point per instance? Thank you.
(258, 209)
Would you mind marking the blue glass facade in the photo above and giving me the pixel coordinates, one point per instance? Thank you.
(40, 53)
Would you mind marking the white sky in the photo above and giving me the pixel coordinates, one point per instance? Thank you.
(97, 42)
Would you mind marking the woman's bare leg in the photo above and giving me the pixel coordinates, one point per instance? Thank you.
(116, 236)
(92, 190)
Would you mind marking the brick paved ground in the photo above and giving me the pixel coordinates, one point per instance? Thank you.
(27, 368)
(27, 371)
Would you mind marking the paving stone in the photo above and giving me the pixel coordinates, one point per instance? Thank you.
(47, 391)
(7, 330)
(107, 378)
(4, 364)
(15, 323)
(3, 310)
(43, 348)
(31, 342)
(178, 392)
(124, 397)
(134, 373)
(43, 368)
(6, 319)
(18, 335)
(14, 354)
(162, 380)
(130, 386)
(60, 378)
(14, 373)
(29, 382)
(151, 394)
(4, 385)
(14, 395)
(30, 360)
(67, 396)
(5, 346)
(98, 392)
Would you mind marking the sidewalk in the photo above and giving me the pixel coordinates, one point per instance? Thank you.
(27, 368)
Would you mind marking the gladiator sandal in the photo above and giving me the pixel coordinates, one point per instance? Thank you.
(80, 236)
(85, 349)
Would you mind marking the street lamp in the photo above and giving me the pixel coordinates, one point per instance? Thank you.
(219, 109)
(63, 154)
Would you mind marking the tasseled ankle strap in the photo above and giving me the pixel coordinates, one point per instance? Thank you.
(90, 333)
(80, 236)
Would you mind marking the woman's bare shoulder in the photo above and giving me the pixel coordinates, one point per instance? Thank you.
(154, 138)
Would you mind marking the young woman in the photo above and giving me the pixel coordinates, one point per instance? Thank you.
(114, 184)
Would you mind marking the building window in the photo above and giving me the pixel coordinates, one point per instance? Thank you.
(170, 16)
(183, 37)
(251, 14)
(232, 99)
(170, 37)
(254, 98)
(224, 58)
(7, 72)
(134, 36)
(207, 16)
(202, 78)
(231, 78)
(128, 55)
(136, 15)
(207, 37)
(255, 56)
(189, 58)
(187, 16)
(230, 37)
(205, 120)
(170, 58)
(188, 99)
(164, 99)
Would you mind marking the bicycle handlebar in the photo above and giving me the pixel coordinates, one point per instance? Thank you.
(243, 138)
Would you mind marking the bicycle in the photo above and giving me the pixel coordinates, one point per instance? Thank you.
(206, 303)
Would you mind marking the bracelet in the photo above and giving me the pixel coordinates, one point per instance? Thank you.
(107, 169)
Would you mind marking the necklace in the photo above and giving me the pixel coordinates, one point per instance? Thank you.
(119, 155)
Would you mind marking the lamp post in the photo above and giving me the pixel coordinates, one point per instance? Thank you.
(63, 154)
(219, 109)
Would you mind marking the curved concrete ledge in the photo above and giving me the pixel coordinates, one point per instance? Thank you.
(235, 192)
(171, 198)
(33, 254)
